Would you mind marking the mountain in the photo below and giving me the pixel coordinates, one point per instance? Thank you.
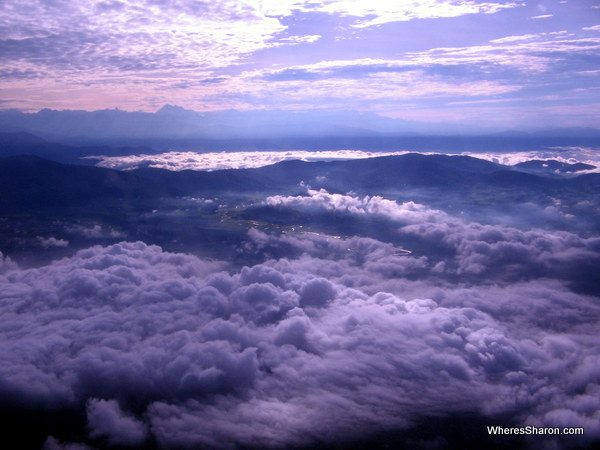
(22, 143)
(29, 182)
(568, 131)
(176, 122)
(174, 127)
(552, 167)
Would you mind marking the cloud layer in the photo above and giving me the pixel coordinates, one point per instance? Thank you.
(240, 160)
(332, 340)
(228, 160)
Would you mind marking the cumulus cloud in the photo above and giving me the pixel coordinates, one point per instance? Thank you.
(6, 264)
(334, 342)
(107, 420)
(493, 251)
(408, 212)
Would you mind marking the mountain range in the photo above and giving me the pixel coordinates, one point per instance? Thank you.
(176, 124)
(32, 182)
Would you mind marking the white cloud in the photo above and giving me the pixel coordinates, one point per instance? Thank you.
(408, 212)
(229, 160)
(151, 46)
(569, 155)
(380, 12)
(238, 160)
(526, 53)
(198, 34)
(491, 251)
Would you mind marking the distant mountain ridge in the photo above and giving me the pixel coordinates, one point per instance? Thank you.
(23, 143)
(175, 122)
(69, 149)
(29, 182)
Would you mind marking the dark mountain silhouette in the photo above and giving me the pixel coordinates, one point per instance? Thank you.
(29, 182)
(22, 143)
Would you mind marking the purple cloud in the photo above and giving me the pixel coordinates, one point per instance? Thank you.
(329, 345)
(106, 419)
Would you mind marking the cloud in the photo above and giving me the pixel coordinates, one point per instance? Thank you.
(6, 264)
(53, 444)
(408, 212)
(535, 52)
(106, 419)
(52, 242)
(119, 46)
(378, 12)
(502, 68)
(229, 160)
(389, 81)
(326, 344)
(239, 160)
(569, 155)
(117, 34)
(492, 251)
(139, 44)
(94, 231)
(529, 53)
(231, 55)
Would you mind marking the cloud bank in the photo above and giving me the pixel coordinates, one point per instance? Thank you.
(332, 341)
(570, 155)
(229, 160)
(240, 160)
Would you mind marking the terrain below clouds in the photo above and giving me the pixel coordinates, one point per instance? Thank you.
(405, 301)
(50, 209)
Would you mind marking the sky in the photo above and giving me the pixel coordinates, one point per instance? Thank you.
(499, 63)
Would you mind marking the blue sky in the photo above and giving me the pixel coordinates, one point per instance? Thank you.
(486, 63)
